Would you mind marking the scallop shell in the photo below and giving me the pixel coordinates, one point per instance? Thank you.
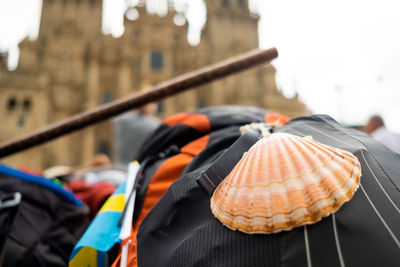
(285, 181)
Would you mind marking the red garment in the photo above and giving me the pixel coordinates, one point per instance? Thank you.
(93, 195)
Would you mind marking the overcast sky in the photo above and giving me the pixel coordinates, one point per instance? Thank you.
(342, 57)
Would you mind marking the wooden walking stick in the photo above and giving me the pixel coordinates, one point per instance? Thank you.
(162, 90)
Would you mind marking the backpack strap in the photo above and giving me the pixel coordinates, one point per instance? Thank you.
(213, 176)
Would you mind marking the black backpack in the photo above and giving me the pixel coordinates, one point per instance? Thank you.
(40, 221)
(180, 230)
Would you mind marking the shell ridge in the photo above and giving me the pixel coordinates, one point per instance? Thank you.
(295, 196)
(321, 152)
(258, 169)
(274, 202)
(284, 145)
(235, 175)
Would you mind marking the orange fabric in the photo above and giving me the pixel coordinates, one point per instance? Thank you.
(199, 122)
(30, 171)
(168, 172)
(276, 119)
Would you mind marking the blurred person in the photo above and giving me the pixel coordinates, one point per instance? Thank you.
(376, 128)
(130, 130)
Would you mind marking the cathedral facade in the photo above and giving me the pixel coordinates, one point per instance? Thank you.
(73, 66)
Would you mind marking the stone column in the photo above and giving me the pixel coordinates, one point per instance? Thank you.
(92, 96)
(124, 74)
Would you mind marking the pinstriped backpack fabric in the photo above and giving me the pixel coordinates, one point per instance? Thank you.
(180, 230)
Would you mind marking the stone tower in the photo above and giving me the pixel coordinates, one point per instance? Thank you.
(231, 28)
(52, 80)
(73, 67)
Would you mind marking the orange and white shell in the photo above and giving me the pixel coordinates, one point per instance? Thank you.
(285, 181)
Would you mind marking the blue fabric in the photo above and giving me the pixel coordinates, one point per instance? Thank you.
(42, 182)
(102, 234)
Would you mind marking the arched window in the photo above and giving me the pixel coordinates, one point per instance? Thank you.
(11, 104)
(107, 97)
(225, 2)
(27, 104)
(156, 60)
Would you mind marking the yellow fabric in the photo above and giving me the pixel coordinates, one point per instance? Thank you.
(87, 256)
(114, 203)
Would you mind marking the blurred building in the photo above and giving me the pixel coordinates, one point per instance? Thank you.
(73, 66)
